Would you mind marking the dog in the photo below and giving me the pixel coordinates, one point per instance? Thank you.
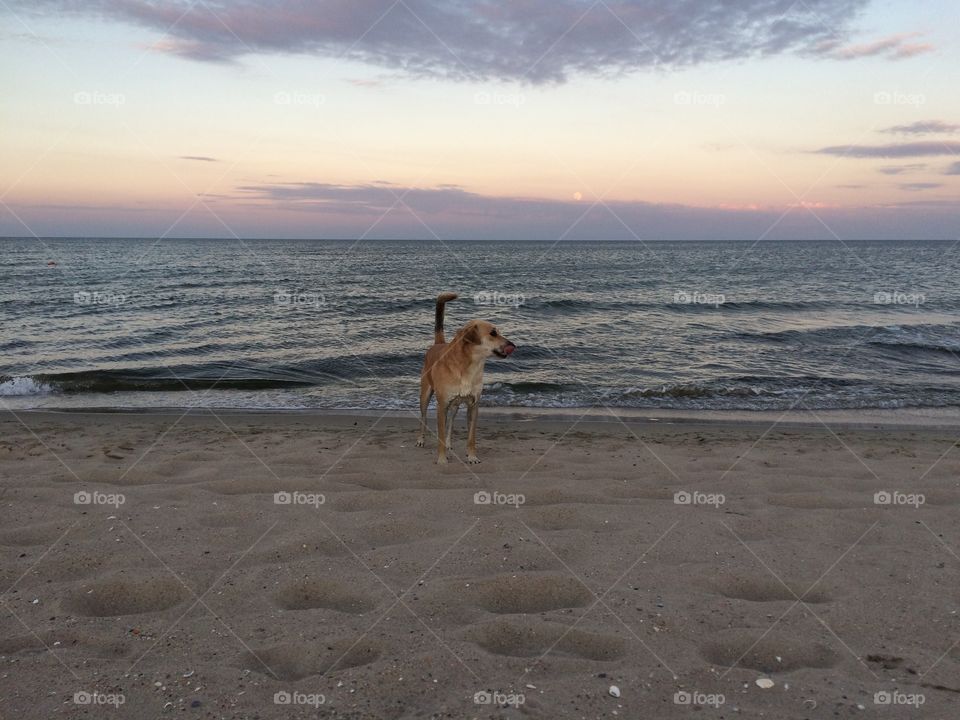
(454, 372)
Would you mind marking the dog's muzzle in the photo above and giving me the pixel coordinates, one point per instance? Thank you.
(507, 350)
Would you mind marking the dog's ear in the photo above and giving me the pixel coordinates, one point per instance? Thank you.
(471, 334)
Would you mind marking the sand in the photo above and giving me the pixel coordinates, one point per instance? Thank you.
(379, 587)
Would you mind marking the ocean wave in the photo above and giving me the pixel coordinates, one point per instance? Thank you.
(735, 393)
(221, 375)
(104, 381)
(933, 336)
(22, 386)
(681, 302)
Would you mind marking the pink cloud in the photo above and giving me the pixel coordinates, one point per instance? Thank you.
(894, 47)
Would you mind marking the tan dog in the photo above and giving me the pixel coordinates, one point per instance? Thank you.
(454, 371)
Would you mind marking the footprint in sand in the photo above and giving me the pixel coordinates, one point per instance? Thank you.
(38, 534)
(36, 643)
(307, 594)
(748, 649)
(287, 551)
(295, 661)
(814, 501)
(126, 596)
(568, 517)
(528, 593)
(532, 639)
(766, 589)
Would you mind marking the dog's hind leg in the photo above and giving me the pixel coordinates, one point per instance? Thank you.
(473, 411)
(425, 393)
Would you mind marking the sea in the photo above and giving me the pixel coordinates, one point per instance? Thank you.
(307, 324)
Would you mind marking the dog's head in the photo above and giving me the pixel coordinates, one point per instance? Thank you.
(486, 338)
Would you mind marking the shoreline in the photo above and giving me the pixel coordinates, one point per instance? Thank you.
(892, 419)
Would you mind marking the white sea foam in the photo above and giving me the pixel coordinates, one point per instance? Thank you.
(19, 386)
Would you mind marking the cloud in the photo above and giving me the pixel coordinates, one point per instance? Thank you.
(912, 50)
(316, 209)
(199, 158)
(923, 127)
(530, 40)
(366, 83)
(453, 212)
(917, 186)
(894, 47)
(901, 169)
(953, 169)
(894, 150)
(382, 197)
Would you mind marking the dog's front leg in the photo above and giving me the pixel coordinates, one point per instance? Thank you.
(451, 417)
(442, 407)
(473, 411)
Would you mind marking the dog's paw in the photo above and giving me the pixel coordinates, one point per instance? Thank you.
(442, 460)
(473, 460)
(419, 442)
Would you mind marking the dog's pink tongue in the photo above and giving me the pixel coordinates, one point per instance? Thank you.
(508, 349)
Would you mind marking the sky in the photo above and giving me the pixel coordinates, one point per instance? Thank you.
(528, 119)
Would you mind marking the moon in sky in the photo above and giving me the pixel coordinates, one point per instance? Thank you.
(578, 195)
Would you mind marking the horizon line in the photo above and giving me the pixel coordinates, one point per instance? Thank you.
(459, 240)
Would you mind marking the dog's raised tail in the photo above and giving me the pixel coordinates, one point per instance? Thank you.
(442, 299)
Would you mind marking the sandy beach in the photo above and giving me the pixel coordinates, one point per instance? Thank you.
(307, 565)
